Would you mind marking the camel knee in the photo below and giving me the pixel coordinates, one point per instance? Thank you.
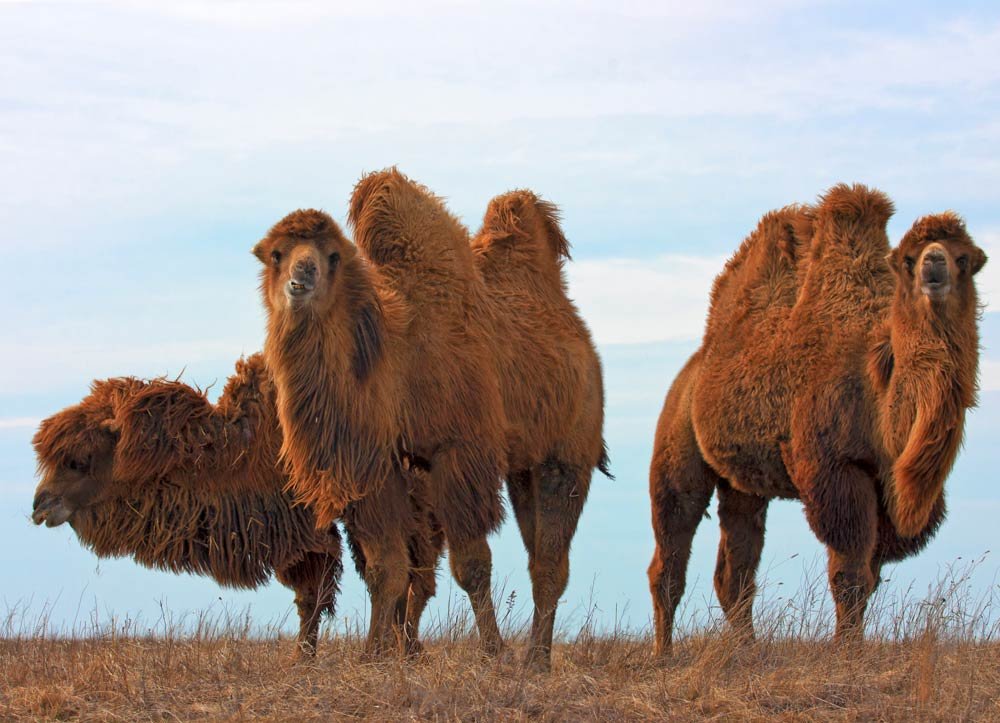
(472, 571)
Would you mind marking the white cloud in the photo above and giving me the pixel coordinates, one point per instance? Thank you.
(631, 301)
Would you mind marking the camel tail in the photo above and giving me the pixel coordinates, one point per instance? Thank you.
(845, 205)
(604, 462)
(522, 219)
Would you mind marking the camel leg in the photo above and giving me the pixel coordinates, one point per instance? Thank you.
(558, 493)
(379, 529)
(315, 580)
(522, 498)
(472, 567)
(842, 508)
(426, 547)
(741, 519)
(678, 507)
(468, 505)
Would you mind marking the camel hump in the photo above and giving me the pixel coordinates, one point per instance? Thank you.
(521, 218)
(398, 222)
(852, 204)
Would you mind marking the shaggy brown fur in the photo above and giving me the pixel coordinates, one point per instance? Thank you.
(155, 471)
(479, 356)
(830, 371)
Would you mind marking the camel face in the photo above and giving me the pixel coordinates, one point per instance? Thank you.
(301, 256)
(935, 263)
(75, 458)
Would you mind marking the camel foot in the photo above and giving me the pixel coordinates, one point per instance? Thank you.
(537, 660)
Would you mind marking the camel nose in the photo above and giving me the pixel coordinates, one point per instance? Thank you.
(40, 499)
(935, 267)
(303, 276)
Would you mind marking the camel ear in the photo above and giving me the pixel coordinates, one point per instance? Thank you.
(979, 260)
(258, 251)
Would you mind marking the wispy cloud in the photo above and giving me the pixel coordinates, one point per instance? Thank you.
(19, 422)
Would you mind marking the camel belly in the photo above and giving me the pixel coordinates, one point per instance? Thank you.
(748, 457)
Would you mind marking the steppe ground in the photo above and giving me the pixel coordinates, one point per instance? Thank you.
(932, 658)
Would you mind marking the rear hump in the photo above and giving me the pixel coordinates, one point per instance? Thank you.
(521, 221)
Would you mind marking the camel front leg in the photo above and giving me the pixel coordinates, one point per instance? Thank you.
(315, 580)
(426, 548)
(842, 509)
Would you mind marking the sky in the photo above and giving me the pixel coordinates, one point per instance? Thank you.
(146, 146)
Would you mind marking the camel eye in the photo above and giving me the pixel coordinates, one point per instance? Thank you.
(276, 257)
(910, 263)
(334, 261)
(963, 262)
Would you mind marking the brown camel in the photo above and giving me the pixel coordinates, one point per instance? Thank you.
(153, 470)
(480, 358)
(553, 393)
(833, 372)
(377, 367)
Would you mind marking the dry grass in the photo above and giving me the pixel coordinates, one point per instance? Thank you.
(932, 658)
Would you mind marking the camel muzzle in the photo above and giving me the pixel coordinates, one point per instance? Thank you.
(49, 509)
(935, 279)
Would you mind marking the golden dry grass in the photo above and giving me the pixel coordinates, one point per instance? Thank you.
(236, 679)
(932, 658)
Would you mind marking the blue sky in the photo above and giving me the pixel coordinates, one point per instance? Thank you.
(144, 148)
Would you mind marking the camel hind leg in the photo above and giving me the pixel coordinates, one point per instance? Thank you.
(741, 519)
(680, 487)
(680, 496)
(548, 502)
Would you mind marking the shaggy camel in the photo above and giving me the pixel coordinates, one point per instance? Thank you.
(414, 349)
(833, 372)
(153, 470)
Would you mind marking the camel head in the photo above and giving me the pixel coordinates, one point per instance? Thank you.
(302, 255)
(934, 265)
(76, 452)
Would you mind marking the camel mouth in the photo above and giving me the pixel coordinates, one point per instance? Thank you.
(298, 290)
(51, 511)
(935, 290)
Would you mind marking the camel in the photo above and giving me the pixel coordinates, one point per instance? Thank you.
(475, 365)
(151, 469)
(553, 392)
(370, 382)
(831, 371)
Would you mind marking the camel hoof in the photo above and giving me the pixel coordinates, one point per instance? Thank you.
(538, 661)
(303, 654)
(415, 650)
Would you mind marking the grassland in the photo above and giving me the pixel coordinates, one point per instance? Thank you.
(934, 657)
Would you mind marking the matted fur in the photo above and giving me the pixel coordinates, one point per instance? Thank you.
(822, 376)
(182, 485)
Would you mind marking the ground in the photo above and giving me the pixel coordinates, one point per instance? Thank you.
(236, 677)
